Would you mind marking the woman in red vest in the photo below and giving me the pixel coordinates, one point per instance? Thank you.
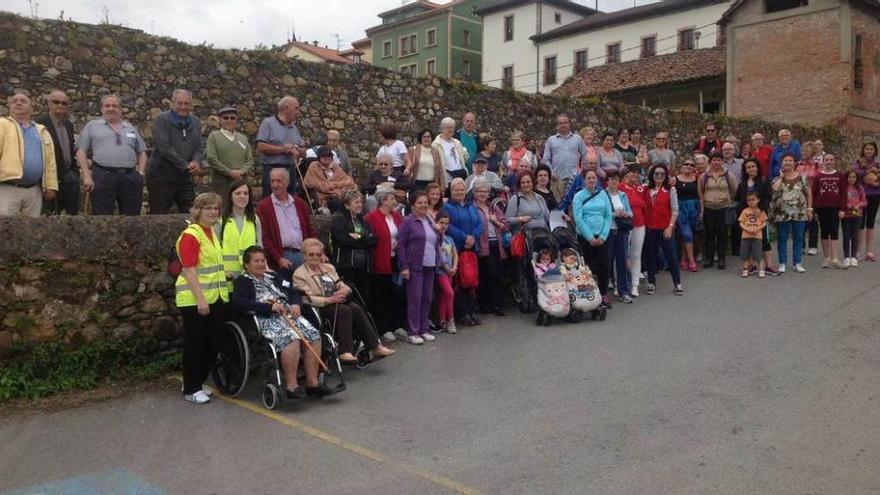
(660, 220)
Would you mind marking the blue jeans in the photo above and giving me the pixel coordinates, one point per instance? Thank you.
(795, 228)
(688, 215)
(618, 242)
(654, 242)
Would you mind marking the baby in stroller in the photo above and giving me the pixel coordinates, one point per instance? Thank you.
(546, 262)
(572, 279)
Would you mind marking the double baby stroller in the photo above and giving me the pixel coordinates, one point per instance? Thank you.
(569, 295)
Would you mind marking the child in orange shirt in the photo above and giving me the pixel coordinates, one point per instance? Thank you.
(752, 221)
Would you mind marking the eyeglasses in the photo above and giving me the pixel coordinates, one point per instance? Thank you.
(314, 255)
(383, 163)
(60, 102)
(118, 139)
(229, 117)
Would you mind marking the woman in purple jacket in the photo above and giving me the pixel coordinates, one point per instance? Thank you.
(418, 253)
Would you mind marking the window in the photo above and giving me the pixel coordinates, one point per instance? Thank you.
(386, 49)
(466, 38)
(404, 46)
(431, 67)
(507, 77)
(612, 53)
(466, 68)
(430, 37)
(580, 61)
(557, 17)
(780, 5)
(413, 43)
(858, 63)
(411, 69)
(508, 28)
(686, 40)
(649, 47)
(550, 70)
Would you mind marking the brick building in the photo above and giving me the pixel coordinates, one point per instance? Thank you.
(814, 62)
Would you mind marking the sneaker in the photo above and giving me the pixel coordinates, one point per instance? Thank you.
(625, 299)
(761, 274)
(799, 268)
(427, 337)
(414, 340)
(812, 251)
(205, 390)
(649, 289)
(643, 275)
(772, 271)
(606, 302)
(745, 274)
(826, 263)
(839, 264)
(450, 327)
(679, 290)
(634, 292)
(853, 262)
(389, 337)
(753, 269)
(781, 268)
(401, 333)
(199, 397)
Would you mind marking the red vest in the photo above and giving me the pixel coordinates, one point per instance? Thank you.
(659, 211)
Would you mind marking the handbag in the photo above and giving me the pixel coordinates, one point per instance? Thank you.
(518, 245)
(468, 270)
(624, 224)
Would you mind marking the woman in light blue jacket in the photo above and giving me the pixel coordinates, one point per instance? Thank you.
(618, 240)
(593, 218)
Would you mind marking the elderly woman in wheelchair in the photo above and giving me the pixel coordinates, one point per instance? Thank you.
(277, 309)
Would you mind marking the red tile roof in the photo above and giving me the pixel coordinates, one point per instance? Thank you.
(675, 67)
(327, 54)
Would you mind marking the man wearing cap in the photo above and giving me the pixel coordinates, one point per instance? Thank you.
(27, 161)
(119, 159)
(481, 171)
(328, 179)
(228, 153)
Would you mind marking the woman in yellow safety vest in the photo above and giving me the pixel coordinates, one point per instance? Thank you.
(201, 293)
(241, 229)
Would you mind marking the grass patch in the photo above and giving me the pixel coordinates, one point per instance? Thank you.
(40, 370)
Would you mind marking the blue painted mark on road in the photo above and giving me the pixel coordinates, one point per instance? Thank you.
(111, 482)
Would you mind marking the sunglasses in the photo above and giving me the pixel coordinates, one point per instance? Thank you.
(118, 139)
(59, 102)
(710, 130)
(229, 117)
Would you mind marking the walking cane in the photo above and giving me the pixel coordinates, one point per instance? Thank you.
(302, 338)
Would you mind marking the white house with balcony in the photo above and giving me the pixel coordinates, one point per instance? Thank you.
(586, 39)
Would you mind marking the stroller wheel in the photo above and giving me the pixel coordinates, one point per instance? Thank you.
(270, 396)
(576, 316)
(602, 314)
(539, 320)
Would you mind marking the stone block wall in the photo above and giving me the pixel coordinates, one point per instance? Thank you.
(90, 60)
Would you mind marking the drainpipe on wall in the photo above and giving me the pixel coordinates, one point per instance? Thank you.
(538, 13)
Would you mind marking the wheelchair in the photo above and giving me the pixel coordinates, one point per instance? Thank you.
(244, 351)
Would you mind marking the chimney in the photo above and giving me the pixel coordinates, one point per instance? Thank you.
(315, 42)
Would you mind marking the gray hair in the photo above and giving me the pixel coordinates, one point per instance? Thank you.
(457, 181)
(281, 170)
(110, 95)
(479, 183)
(386, 156)
(382, 193)
(177, 92)
(284, 102)
(447, 122)
(701, 158)
(349, 196)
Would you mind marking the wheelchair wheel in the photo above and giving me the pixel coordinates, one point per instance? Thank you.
(270, 396)
(230, 372)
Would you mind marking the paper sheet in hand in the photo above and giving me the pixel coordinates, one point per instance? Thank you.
(556, 220)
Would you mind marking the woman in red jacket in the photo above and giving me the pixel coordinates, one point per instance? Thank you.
(388, 308)
(635, 194)
(660, 220)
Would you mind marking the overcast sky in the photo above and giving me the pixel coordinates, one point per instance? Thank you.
(239, 23)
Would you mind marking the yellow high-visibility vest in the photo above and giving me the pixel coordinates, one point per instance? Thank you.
(234, 244)
(210, 272)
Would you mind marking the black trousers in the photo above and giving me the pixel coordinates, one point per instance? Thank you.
(489, 296)
(813, 233)
(67, 199)
(597, 258)
(350, 320)
(200, 344)
(164, 194)
(388, 304)
(735, 238)
(715, 229)
(850, 228)
(465, 303)
(122, 189)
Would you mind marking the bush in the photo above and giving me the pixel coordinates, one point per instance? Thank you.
(53, 367)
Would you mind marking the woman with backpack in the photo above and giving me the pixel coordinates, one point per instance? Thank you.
(593, 219)
(465, 228)
(660, 221)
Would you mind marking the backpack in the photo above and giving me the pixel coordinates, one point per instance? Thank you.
(173, 265)
(468, 270)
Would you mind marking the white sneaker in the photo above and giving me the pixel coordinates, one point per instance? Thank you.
(781, 268)
(415, 340)
(799, 268)
(389, 337)
(199, 397)
(634, 292)
(428, 337)
(826, 263)
(853, 262)
(450, 327)
(839, 264)
(205, 390)
(401, 333)
(812, 251)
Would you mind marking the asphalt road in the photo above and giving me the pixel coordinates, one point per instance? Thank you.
(739, 387)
